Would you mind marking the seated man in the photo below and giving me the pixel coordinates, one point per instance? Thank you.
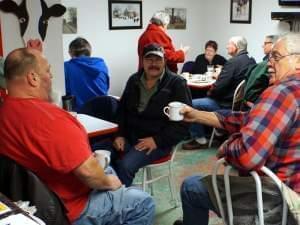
(86, 77)
(220, 95)
(257, 77)
(210, 57)
(146, 134)
(53, 144)
(267, 135)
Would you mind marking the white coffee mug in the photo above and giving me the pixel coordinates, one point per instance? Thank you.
(173, 111)
(103, 157)
(210, 68)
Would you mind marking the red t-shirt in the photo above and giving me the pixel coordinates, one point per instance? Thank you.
(50, 142)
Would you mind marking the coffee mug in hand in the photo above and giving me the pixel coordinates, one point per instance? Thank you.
(103, 157)
(173, 111)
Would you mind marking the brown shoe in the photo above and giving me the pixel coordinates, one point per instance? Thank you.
(194, 145)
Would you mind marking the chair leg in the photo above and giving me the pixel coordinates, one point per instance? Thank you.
(172, 186)
(212, 138)
(149, 177)
(144, 182)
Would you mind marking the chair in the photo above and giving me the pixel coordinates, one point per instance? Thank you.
(236, 104)
(187, 67)
(257, 180)
(148, 178)
(103, 107)
(18, 183)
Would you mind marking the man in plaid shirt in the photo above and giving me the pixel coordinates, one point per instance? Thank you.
(268, 135)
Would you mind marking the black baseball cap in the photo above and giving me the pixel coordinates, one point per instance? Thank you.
(153, 49)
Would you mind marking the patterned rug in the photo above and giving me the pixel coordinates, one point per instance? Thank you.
(186, 163)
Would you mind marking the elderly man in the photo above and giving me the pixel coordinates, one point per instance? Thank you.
(268, 136)
(53, 144)
(220, 96)
(257, 77)
(146, 134)
(156, 33)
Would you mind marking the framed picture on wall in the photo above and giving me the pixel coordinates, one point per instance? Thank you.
(177, 18)
(240, 11)
(70, 21)
(125, 15)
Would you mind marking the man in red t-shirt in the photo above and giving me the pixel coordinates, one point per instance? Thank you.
(50, 142)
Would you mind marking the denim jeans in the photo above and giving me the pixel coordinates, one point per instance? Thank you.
(195, 201)
(124, 206)
(204, 104)
(127, 163)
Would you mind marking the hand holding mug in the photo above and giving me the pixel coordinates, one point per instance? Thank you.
(173, 111)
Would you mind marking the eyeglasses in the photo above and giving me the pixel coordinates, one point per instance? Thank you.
(278, 57)
(268, 42)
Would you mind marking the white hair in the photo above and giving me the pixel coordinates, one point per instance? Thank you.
(160, 18)
(240, 42)
(292, 42)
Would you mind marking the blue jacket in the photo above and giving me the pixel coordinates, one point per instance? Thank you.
(85, 78)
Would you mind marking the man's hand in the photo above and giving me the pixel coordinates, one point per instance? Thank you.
(146, 144)
(190, 114)
(185, 49)
(113, 182)
(119, 143)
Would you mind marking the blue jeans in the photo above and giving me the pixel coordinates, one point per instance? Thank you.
(195, 201)
(123, 206)
(131, 160)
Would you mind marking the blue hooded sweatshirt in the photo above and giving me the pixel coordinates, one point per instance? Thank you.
(86, 77)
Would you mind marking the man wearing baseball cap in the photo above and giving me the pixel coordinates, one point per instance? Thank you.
(145, 133)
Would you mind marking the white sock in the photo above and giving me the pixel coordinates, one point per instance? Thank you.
(201, 140)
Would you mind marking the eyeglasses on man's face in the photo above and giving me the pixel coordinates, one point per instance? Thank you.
(277, 57)
(268, 42)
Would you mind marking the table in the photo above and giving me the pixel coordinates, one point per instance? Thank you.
(198, 84)
(95, 126)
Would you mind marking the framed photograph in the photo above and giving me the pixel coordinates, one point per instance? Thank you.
(177, 18)
(70, 21)
(125, 15)
(240, 11)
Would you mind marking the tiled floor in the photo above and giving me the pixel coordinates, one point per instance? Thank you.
(186, 163)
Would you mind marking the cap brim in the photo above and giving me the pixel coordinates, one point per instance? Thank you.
(158, 53)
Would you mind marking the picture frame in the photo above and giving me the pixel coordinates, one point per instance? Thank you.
(240, 11)
(70, 21)
(177, 18)
(125, 15)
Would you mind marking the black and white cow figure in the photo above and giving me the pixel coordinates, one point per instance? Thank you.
(28, 25)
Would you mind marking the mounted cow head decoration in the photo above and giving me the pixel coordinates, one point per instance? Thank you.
(29, 25)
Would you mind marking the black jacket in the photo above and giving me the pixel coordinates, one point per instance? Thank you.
(232, 74)
(152, 122)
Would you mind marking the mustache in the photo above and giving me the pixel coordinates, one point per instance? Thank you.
(153, 68)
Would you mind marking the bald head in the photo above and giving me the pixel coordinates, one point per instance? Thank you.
(19, 62)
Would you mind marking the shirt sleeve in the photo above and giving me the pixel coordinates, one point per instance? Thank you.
(266, 123)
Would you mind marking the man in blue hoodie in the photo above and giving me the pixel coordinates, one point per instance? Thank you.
(85, 76)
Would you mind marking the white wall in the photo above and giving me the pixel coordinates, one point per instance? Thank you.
(206, 19)
(52, 45)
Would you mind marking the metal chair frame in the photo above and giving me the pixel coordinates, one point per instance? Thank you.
(256, 177)
(236, 98)
(148, 178)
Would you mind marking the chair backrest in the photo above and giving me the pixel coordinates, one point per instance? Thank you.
(187, 67)
(257, 180)
(18, 183)
(238, 96)
(102, 107)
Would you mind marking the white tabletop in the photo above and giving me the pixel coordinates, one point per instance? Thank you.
(198, 80)
(95, 126)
